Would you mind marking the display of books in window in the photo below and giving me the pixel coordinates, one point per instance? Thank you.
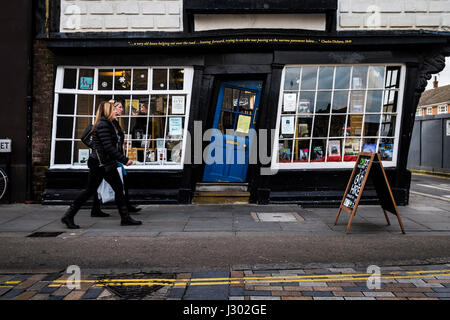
(386, 151)
(351, 149)
(285, 154)
(369, 147)
(334, 150)
(303, 130)
(303, 155)
(317, 153)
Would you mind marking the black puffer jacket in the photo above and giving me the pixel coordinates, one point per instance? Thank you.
(105, 144)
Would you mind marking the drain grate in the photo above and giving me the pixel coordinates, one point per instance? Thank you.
(135, 286)
(277, 217)
(44, 234)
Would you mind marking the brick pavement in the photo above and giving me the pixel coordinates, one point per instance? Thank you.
(431, 282)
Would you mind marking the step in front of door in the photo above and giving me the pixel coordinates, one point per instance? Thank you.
(228, 187)
(221, 197)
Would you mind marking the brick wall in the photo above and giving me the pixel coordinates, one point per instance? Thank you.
(121, 15)
(43, 82)
(398, 14)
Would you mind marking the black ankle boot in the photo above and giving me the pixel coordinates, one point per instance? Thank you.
(126, 220)
(98, 213)
(68, 217)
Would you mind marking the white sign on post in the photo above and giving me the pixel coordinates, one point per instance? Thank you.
(448, 127)
(5, 145)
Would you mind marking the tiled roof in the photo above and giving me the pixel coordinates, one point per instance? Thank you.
(435, 96)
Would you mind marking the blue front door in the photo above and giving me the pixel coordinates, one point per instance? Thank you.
(236, 110)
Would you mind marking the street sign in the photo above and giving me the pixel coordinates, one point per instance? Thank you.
(5, 145)
(368, 164)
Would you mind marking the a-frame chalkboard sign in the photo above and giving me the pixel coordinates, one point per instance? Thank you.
(368, 164)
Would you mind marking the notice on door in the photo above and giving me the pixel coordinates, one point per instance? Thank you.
(243, 125)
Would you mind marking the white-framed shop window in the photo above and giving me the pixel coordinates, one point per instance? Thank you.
(154, 120)
(442, 109)
(429, 111)
(327, 114)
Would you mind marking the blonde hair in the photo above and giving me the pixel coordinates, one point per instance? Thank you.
(105, 109)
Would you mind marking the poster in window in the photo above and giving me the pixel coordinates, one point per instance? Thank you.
(303, 154)
(287, 125)
(133, 106)
(86, 83)
(175, 126)
(243, 124)
(289, 102)
(285, 154)
(351, 147)
(162, 154)
(304, 106)
(83, 155)
(369, 147)
(334, 148)
(386, 151)
(177, 104)
(318, 153)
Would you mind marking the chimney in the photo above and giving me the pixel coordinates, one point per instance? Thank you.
(435, 82)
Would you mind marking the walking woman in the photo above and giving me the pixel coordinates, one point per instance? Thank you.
(102, 164)
(96, 211)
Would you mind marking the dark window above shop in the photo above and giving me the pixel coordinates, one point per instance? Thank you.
(198, 12)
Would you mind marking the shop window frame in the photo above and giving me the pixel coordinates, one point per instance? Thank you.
(59, 89)
(276, 165)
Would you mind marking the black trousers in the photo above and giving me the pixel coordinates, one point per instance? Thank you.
(96, 175)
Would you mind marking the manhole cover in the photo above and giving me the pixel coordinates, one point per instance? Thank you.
(136, 286)
(44, 234)
(277, 216)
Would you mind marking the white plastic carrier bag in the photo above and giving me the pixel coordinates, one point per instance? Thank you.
(105, 191)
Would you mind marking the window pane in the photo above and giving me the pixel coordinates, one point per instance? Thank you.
(86, 81)
(246, 102)
(64, 127)
(63, 152)
(129, 105)
(306, 102)
(340, 101)
(287, 126)
(309, 76)
(140, 105)
(321, 126)
(371, 125)
(326, 77)
(354, 126)
(122, 79)
(175, 126)
(289, 102)
(359, 78)
(342, 80)
(388, 125)
(318, 150)
(351, 149)
(323, 103)
(285, 151)
(177, 104)
(304, 125)
(123, 122)
(159, 79)
(140, 79)
(337, 126)
(157, 127)
(301, 150)
(334, 152)
(176, 79)
(70, 78)
(85, 104)
(292, 79)
(66, 104)
(80, 153)
(374, 99)
(98, 100)
(376, 77)
(105, 79)
(390, 101)
(80, 125)
(357, 101)
(226, 121)
(386, 149)
(230, 99)
(392, 77)
(369, 145)
(158, 104)
(174, 151)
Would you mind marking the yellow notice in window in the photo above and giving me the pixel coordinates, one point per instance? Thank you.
(243, 124)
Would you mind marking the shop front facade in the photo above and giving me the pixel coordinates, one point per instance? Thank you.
(282, 111)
